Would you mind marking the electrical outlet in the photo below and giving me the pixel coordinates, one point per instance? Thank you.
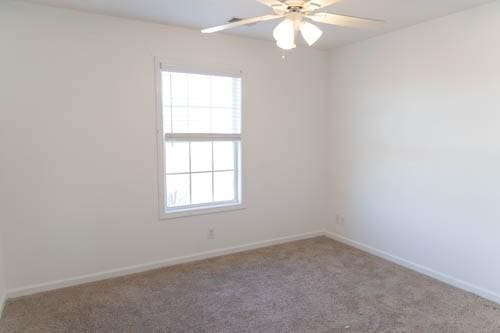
(211, 233)
(339, 220)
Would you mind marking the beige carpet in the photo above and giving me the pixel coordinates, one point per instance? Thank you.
(315, 285)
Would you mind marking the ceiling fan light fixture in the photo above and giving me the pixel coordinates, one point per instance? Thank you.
(286, 44)
(284, 30)
(284, 33)
(310, 32)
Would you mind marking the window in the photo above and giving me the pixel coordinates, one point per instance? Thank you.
(201, 141)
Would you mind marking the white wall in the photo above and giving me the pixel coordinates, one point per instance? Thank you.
(2, 277)
(77, 134)
(414, 145)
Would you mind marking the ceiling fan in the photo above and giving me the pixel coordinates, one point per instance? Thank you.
(295, 13)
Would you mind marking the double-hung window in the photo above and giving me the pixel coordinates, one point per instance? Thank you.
(200, 141)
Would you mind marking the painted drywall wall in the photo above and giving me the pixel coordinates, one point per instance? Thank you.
(414, 145)
(3, 288)
(79, 162)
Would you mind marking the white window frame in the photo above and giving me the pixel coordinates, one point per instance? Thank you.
(206, 208)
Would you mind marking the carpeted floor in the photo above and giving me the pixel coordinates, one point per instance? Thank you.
(315, 285)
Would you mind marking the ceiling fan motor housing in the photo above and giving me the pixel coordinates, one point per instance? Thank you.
(295, 9)
(295, 6)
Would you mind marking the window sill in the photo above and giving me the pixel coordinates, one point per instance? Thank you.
(201, 211)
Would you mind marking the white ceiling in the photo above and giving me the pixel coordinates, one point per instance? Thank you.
(206, 13)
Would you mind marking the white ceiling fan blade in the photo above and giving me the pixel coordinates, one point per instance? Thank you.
(240, 23)
(345, 21)
(271, 3)
(277, 6)
(312, 5)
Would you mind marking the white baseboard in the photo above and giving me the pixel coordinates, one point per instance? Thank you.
(419, 268)
(73, 281)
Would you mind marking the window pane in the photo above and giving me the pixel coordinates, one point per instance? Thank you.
(201, 103)
(202, 120)
(180, 120)
(199, 90)
(201, 187)
(224, 92)
(167, 119)
(177, 193)
(224, 155)
(198, 120)
(179, 88)
(225, 121)
(201, 156)
(176, 157)
(224, 186)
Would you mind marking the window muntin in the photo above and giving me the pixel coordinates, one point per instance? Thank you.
(202, 140)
